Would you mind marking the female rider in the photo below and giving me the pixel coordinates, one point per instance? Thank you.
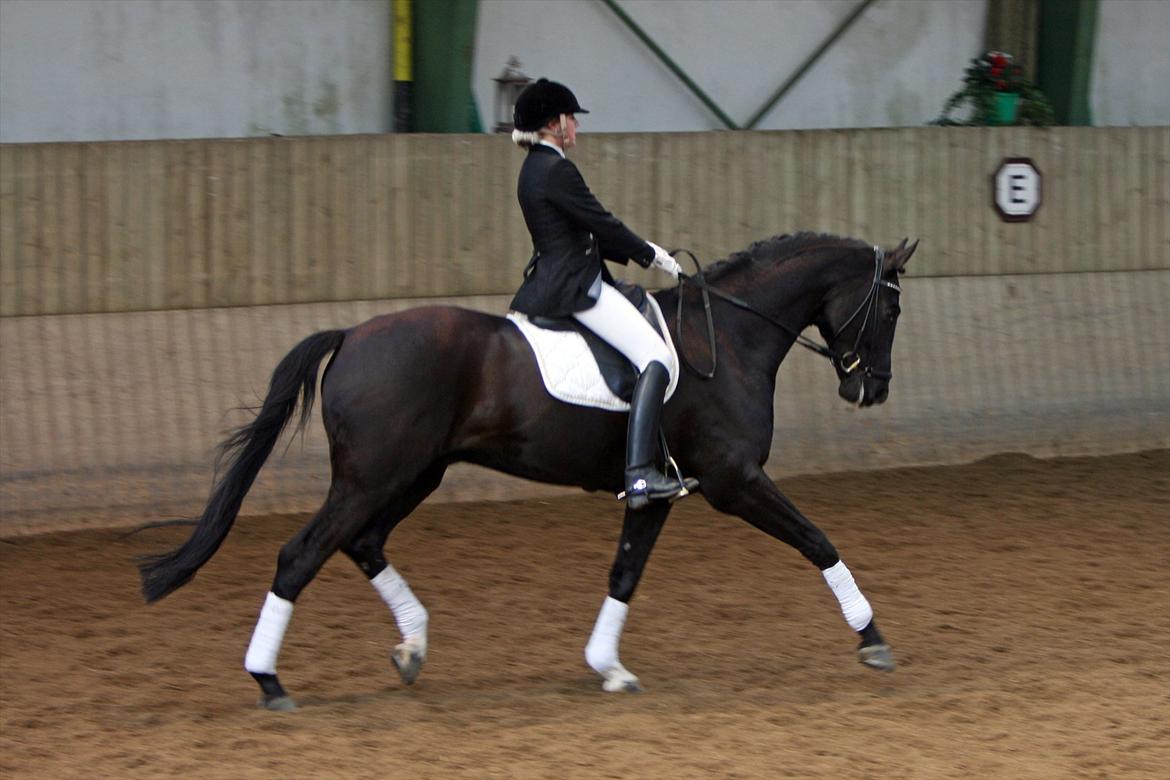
(571, 234)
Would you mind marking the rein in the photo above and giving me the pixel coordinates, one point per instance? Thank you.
(848, 362)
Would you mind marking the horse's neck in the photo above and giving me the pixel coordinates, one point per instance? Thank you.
(789, 292)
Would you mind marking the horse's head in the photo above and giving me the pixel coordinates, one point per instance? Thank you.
(858, 321)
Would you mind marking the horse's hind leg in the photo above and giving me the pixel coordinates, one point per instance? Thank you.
(757, 500)
(367, 551)
(640, 530)
(299, 561)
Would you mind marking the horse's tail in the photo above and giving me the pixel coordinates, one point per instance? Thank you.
(243, 453)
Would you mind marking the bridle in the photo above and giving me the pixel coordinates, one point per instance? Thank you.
(847, 362)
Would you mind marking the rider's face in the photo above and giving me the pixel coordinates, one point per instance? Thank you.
(566, 138)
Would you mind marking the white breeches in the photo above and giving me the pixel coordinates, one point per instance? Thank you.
(616, 322)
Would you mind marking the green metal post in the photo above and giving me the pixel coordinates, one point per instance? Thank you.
(444, 43)
(1067, 32)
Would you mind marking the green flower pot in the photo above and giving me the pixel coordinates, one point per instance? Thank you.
(1004, 108)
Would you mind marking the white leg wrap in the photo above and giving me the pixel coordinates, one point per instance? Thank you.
(601, 653)
(854, 606)
(268, 635)
(409, 612)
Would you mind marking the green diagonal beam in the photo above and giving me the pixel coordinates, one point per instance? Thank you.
(782, 90)
(674, 68)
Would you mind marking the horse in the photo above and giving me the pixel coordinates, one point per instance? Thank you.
(405, 395)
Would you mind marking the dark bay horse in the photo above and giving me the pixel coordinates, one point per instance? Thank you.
(405, 395)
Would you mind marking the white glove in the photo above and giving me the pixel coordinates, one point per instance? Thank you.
(664, 262)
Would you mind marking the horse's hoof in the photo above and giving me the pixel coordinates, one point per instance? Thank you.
(277, 703)
(622, 686)
(620, 680)
(408, 661)
(877, 657)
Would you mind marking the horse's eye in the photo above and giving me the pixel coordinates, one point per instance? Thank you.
(892, 313)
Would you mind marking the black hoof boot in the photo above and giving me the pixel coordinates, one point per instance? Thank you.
(273, 696)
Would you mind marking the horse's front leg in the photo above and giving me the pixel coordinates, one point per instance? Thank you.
(754, 497)
(640, 530)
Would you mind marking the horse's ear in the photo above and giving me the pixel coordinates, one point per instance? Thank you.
(896, 259)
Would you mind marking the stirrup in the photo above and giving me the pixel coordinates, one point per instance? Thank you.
(689, 484)
(642, 498)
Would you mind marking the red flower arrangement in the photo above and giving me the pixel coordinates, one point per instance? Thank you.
(996, 72)
(1004, 74)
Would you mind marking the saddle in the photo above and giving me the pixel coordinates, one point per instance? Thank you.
(616, 369)
(579, 368)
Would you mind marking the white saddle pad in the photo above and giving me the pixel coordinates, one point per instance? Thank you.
(569, 370)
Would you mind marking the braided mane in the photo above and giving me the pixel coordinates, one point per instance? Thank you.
(776, 249)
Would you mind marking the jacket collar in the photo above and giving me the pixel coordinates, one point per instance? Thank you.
(546, 144)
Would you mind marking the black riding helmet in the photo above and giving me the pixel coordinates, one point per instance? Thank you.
(541, 101)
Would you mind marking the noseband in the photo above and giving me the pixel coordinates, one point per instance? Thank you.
(850, 361)
(847, 362)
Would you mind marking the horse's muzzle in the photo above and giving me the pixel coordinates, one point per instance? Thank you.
(861, 390)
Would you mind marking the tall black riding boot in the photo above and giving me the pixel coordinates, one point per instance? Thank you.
(644, 482)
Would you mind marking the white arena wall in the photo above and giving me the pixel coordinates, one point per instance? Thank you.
(147, 290)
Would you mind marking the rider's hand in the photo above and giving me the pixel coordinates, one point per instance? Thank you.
(664, 262)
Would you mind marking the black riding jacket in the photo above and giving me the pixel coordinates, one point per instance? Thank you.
(571, 234)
